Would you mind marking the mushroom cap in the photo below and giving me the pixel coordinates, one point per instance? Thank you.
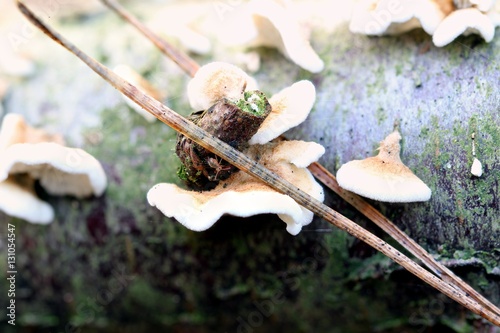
(181, 22)
(482, 5)
(215, 81)
(61, 170)
(243, 195)
(192, 40)
(379, 17)
(476, 168)
(464, 21)
(383, 177)
(290, 107)
(15, 130)
(143, 85)
(276, 27)
(22, 203)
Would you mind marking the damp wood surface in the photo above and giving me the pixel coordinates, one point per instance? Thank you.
(114, 262)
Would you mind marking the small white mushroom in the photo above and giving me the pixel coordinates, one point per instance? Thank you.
(215, 81)
(248, 60)
(14, 63)
(27, 155)
(242, 195)
(464, 21)
(180, 22)
(142, 84)
(22, 203)
(268, 23)
(482, 5)
(383, 177)
(389, 17)
(290, 107)
(15, 130)
(60, 170)
(277, 27)
(476, 168)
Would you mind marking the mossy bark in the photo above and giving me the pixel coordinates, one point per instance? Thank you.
(113, 263)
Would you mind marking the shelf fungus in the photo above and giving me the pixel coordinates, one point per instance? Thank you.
(277, 27)
(270, 23)
(445, 20)
(28, 155)
(215, 81)
(383, 177)
(182, 22)
(466, 21)
(387, 17)
(219, 188)
(141, 83)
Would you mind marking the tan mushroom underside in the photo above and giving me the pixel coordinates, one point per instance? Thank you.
(383, 177)
(60, 170)
(243, 195)
(19, 202)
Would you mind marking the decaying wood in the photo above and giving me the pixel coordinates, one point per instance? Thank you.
(246, 164)
(329, 180)
(226, 121)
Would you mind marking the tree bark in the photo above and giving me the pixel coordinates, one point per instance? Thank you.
(115, 262)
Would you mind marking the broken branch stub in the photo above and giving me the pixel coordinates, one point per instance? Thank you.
(232, 122)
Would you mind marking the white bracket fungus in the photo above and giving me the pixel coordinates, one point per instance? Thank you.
(243, 195)
(464, 21)
(277, 27)
(179, 22)
(60, 170)
(290, 107)
(215, 81)
(383, 177)
(270, 23)
(15, 130)
(389, 17)
(27, 152)
(445, 20)
(22, 203)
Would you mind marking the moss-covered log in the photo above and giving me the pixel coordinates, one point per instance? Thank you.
(115, 264)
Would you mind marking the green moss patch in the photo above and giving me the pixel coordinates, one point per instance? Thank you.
(253, 102)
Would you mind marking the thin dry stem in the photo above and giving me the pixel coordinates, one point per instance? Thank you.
(181, 59)
(250, 166)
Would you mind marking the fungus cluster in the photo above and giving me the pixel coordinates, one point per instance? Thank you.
(240, 194)
(29, 155)
(445, 20)
(276, 26)
(267, 23)
(182, 23)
